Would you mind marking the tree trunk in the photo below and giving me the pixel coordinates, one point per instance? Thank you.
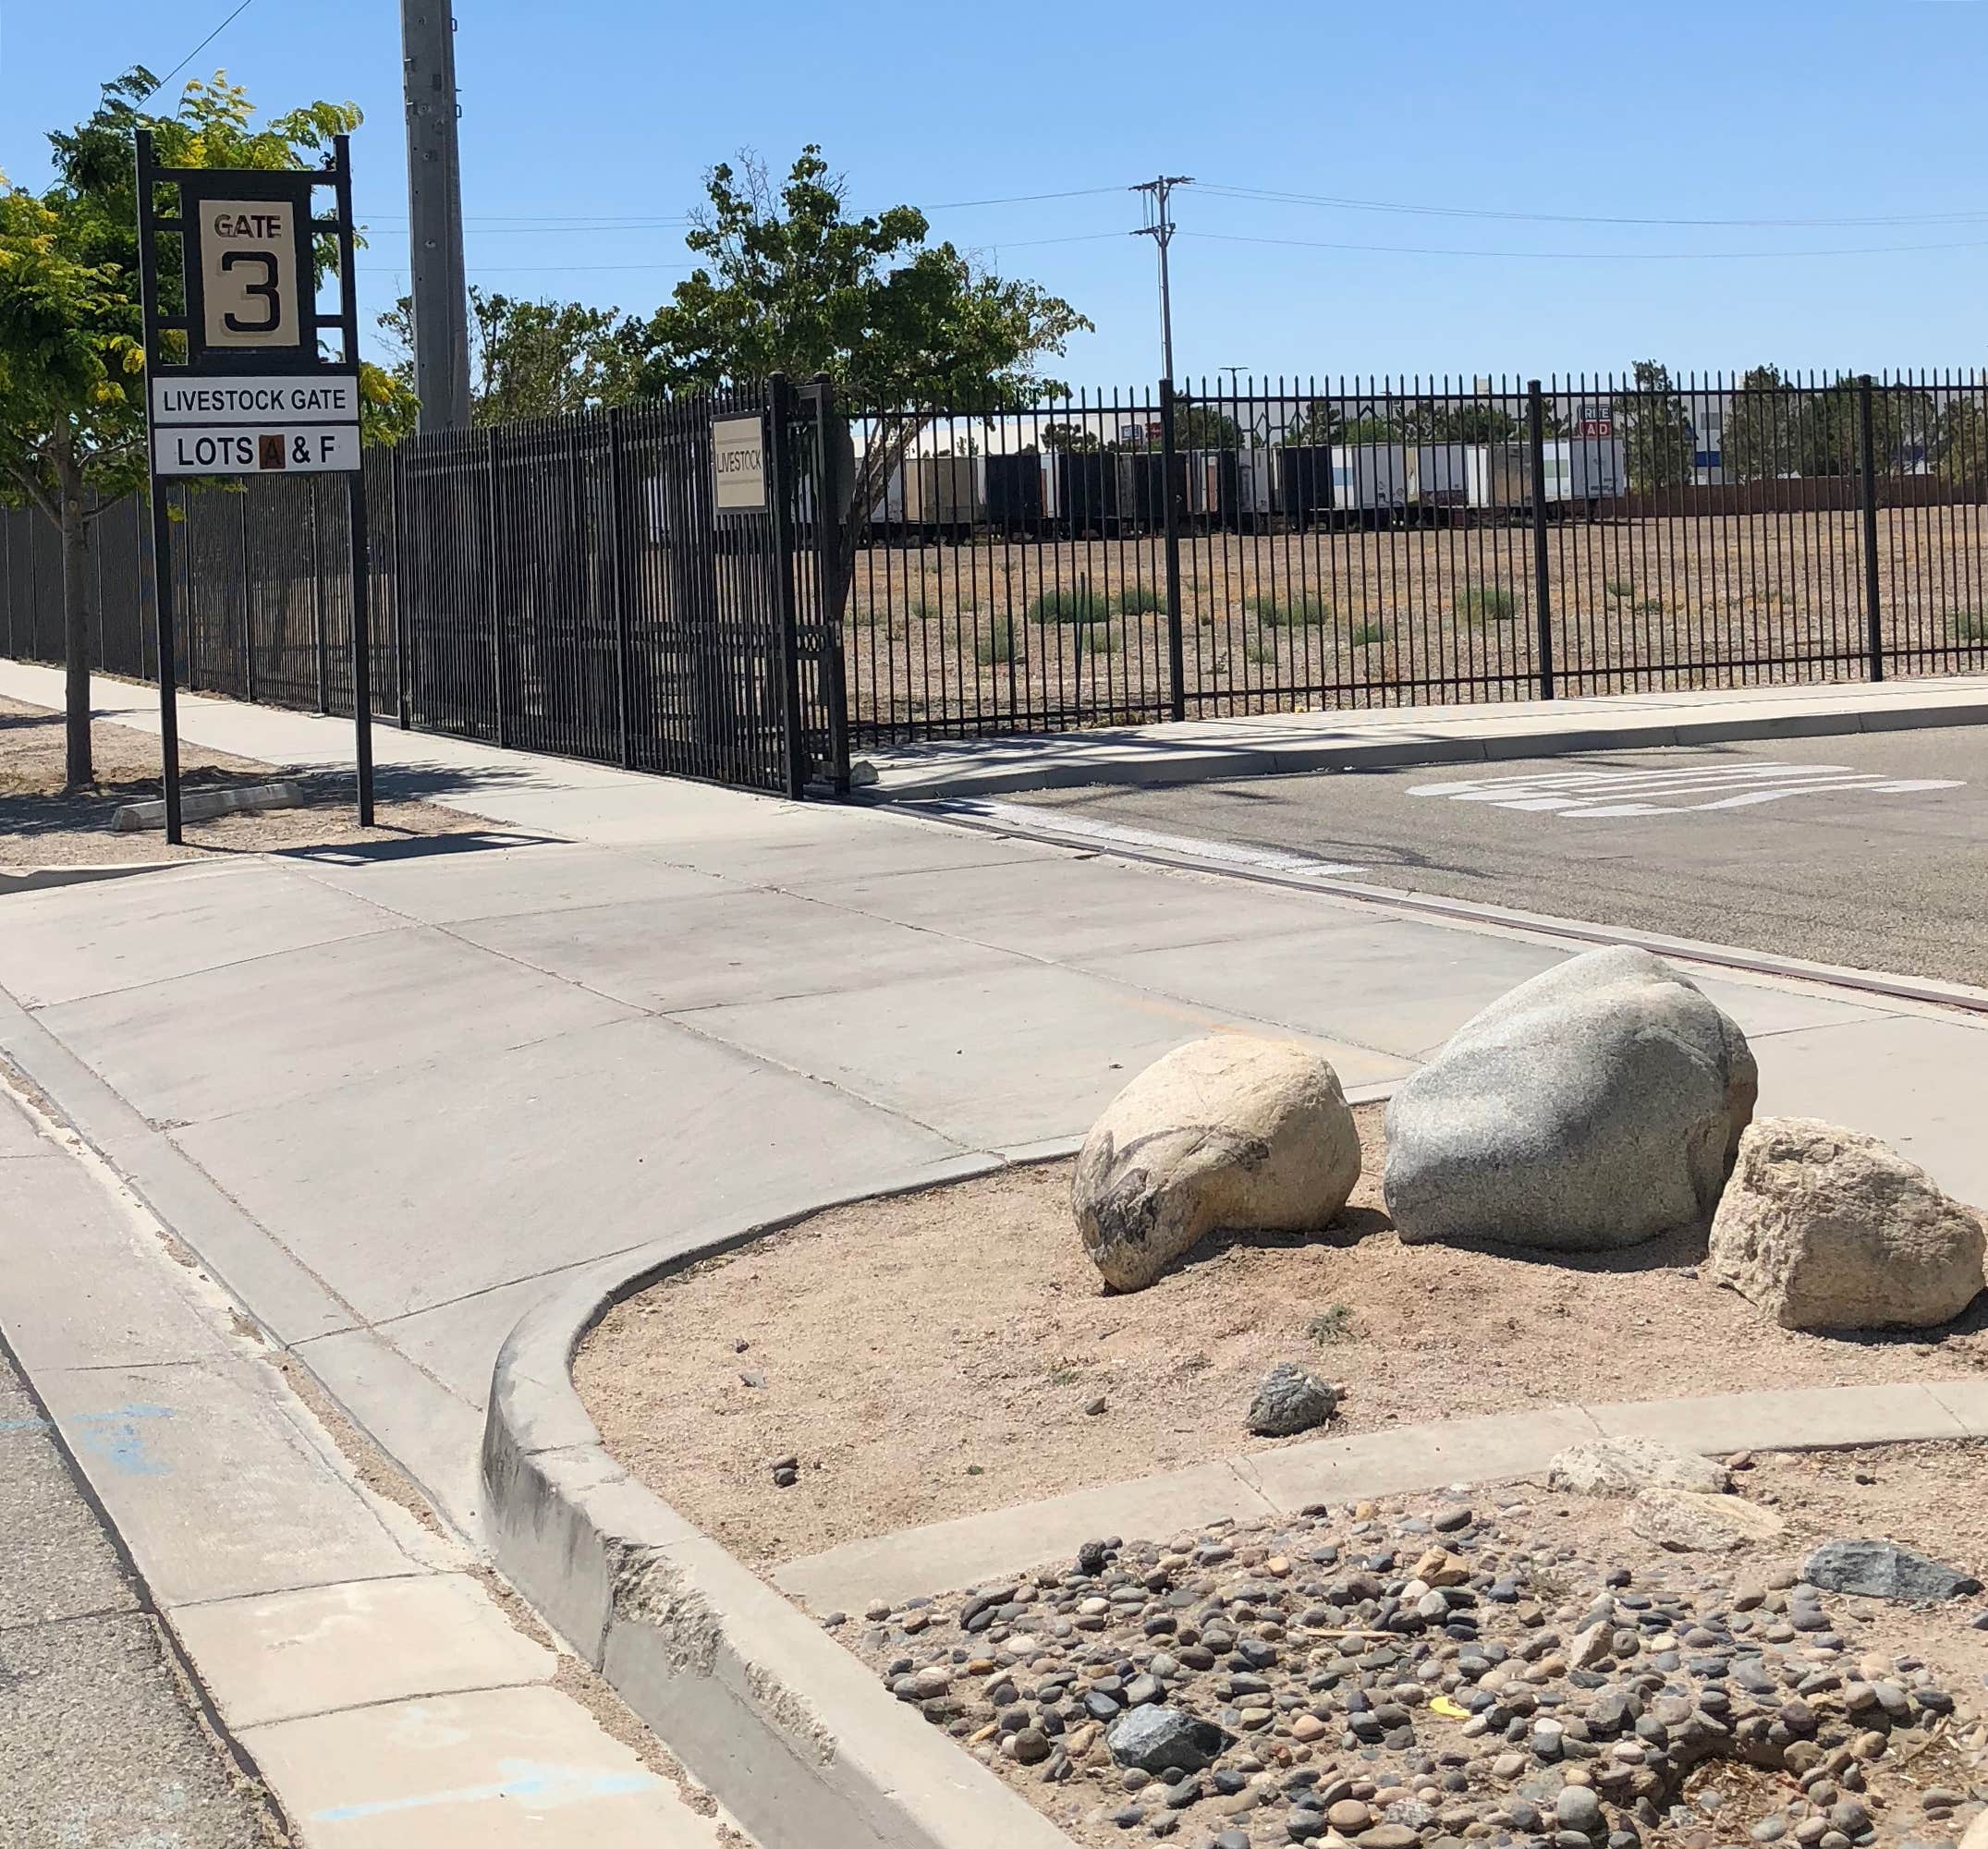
(76, 624)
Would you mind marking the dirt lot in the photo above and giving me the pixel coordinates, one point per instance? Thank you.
(935, 1354)
(1413, 614)
(43, 825)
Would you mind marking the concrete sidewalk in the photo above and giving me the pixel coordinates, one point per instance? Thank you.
(350, 1652)
(1281, 743)
(394, 1099)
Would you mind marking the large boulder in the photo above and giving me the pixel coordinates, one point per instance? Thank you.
(1242, 1133)
(1825, 1228)
(1593, 1107)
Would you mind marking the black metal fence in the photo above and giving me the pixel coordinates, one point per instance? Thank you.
(564, 587)
(1130, 556)
(1109, 558)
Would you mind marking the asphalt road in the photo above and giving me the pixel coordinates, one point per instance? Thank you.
(1870, 851)
(98, 1747)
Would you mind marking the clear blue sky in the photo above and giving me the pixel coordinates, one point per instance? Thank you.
(1746, 110)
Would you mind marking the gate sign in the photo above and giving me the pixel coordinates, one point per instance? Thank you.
(248, 273)
(739, 464)
(251, 449)
(248, 372)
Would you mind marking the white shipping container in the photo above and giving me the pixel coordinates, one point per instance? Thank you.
(945, 491)
(1597, 468)
(1439, 474)
(1369, 475)
(1576, 469)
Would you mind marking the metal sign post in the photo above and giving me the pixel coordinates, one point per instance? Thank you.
(247, 389)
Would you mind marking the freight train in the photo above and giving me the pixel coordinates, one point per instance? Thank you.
(1110, 494)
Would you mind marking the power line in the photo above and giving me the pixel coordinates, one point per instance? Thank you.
(197, 51)
(1336, 203)
(1590, 256)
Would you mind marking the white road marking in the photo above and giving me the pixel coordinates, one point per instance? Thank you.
(1605, 792)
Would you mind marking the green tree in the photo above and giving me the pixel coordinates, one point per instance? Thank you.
(540, 359)
(72, 387)
(1436, 421)
(1765, 430)
(1370, 427)
(1072, 439)
(1961, 443)
(791, 283)
(1321, 421)
(1203, 427)
(1658, 441)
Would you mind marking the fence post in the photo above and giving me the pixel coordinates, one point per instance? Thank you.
(834, 505)
(248, 602)
(494, 549)
(780, 510)
(317, 644)
(1541, 582)
(618, 582)
(1176, 674)
(396, 506)
(1867, 488)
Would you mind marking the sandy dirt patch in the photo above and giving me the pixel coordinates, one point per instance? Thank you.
(937, 1353)
(43, 825)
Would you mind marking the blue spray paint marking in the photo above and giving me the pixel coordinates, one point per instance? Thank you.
(543, 1786)
(114, 1437)
(26, 1425)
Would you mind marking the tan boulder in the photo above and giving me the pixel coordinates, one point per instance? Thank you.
(1689, 1521)
(1826, 1228)
(1247, 1135)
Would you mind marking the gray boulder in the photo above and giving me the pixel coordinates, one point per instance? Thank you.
(1881, 1570)
(1593, 1107)
(1825, 1228)
(1248, 1135)
(1158, 1739)
(1290, 1400)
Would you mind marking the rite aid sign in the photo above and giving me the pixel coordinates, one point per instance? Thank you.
(739, 464)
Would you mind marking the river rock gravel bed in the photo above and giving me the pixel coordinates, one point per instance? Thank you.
(1497, 1668)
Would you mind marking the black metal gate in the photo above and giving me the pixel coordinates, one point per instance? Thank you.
(570, 587)
(565, 585)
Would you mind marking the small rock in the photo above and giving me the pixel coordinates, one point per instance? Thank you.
(1881, 1570)
(1032, 1746)
(1155, 1738)
(1091, 1557)
(1449, 1520)
(1578, 1809)
(785, 1476)
(1094, 1407)
(1290, 1400)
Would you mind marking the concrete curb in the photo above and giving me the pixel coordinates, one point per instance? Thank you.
(44, 879)
(788, 1729)
(1145, 758)
(204, 805)
(791, 1734)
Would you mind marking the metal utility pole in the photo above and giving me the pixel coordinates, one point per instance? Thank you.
(1159, 226)
(434, 217)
